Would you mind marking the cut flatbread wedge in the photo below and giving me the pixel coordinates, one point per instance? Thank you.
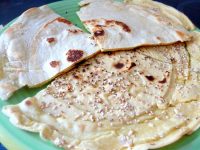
(175, 17)
(118, 25)
(38, 46)
(116, 97)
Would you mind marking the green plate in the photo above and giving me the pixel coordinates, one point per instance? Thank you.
(16, 139)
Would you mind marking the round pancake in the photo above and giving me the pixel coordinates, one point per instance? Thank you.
(127, 98)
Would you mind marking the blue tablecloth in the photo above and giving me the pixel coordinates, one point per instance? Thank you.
(1, 147)
(10, 9)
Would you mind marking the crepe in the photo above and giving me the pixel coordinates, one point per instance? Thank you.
(38, 46)
(117, 25)
(127, 98)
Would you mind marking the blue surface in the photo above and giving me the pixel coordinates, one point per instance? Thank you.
(10, 9)
(1, 147)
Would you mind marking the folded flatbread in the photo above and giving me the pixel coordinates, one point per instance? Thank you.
(138, 99)
(117, 25)
(38, 46)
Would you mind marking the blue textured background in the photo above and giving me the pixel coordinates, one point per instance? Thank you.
(10, 9)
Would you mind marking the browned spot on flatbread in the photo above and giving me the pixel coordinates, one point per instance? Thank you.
(86, 4)
(163, 81)
(83, 70)
(119, 23)
(167, 73)
(132, 65)
(51, 40)
(28, 102)
(108, 53)
(150, 78)
(99, 26)
(64, 21)
(173, 60)
(69, 87)
(181, 34)
(77, 76)
(159, 38)
(86, 65)
(54, 64)
(99, 33)
(75, 31)
(94, 22)
(60, 19)
(98, 30)
(90, 21)
(118, 65)
(74, 55)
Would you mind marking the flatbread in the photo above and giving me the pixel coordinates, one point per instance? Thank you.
(190, 89)
(175, 16)
(127, 98)
(118, 25)
(38, 46)
(155, 130)
(140, 99)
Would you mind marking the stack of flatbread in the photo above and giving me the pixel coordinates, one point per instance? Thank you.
(131, 83)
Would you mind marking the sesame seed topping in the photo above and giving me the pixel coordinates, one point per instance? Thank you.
(102, 92)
